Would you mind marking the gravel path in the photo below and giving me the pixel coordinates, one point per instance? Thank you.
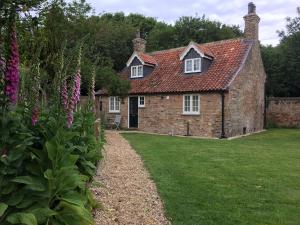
(128, 195)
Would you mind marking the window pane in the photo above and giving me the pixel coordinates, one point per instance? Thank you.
(112, 103)
(197, 64)
(187, 104)
(142, 101)
(195, 103)
(189, 65)
(140, 71)
(117, 103)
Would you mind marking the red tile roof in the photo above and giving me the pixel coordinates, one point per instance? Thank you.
(147, 58)
(168, 75)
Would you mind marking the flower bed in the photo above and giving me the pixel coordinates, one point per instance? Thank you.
(48, 152)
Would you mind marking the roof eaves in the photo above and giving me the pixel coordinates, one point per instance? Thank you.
(134, 54)
(191, 45)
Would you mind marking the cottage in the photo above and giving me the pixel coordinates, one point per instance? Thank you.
(212, 90)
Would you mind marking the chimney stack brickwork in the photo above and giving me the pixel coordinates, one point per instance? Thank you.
(251, 23)
(139, 44)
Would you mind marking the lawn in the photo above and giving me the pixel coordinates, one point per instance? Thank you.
(251, 180)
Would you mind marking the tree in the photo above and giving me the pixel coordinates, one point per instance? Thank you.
(282, 63)
(202, 30)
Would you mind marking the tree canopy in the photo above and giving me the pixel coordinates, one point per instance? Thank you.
(282, 63)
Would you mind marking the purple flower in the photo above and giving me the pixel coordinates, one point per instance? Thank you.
(74, 99)
(12, 70)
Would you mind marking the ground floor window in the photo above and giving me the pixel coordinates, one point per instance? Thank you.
(114, 104)
(191, 104)
(141, 101)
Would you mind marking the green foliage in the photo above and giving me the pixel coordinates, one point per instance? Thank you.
(203, 30)
(44, 169)
(282, 63)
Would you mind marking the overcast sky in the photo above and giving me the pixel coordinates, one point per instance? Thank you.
(271, 12)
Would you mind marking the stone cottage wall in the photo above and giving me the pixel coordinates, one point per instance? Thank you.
(163, 114)
(283, 112)
(108, 117)
(244, 111)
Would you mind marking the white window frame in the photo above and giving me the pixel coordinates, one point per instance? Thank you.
(114, 100)
(139, 100)
(191, 105)
(136, 68)
(193, 65)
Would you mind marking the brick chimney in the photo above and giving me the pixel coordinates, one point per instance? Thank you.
(251, 23)
(139, 44)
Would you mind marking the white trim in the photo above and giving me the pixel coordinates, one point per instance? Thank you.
(128, 112)
(189, 47)
(109, 102)
(193, 64)
(134, 54)
(191, 105)
(137, 70)
(142, 106)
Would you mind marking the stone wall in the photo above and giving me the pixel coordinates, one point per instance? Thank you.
(164, 114)
(244, 112)
(283, 112)
(110, 117)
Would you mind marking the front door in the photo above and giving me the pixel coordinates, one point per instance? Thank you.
(133, 112)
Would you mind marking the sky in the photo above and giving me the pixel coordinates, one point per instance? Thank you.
(271, 12)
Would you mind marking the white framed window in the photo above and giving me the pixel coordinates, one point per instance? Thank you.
(191, 104)
(141, 101)
(192, 65)
(136, 71)
(114, 104)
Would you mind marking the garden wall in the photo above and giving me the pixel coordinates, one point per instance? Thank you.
(283, 112)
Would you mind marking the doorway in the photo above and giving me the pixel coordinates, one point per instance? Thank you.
(133, 112)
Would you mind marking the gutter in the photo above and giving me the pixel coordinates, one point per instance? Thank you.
(222, 93)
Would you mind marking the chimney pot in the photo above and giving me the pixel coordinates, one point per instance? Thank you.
(251, 8)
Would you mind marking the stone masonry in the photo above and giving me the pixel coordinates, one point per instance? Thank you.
(164, 114)
(283, 112)
(244, 103)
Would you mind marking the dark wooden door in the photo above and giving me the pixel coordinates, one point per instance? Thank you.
(133, 112)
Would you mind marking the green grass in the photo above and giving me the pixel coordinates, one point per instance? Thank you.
(252, 180)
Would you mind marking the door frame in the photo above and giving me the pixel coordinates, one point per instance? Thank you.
(128, 116)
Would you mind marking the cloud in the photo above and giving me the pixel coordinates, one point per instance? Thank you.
(272, 13)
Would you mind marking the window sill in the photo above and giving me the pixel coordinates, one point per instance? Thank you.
(136, 77)
(113, 111)
(141, 106)
(196, 71)
(190, 114)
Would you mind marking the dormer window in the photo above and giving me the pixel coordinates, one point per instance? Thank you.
(136, 71)
(192, 65)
